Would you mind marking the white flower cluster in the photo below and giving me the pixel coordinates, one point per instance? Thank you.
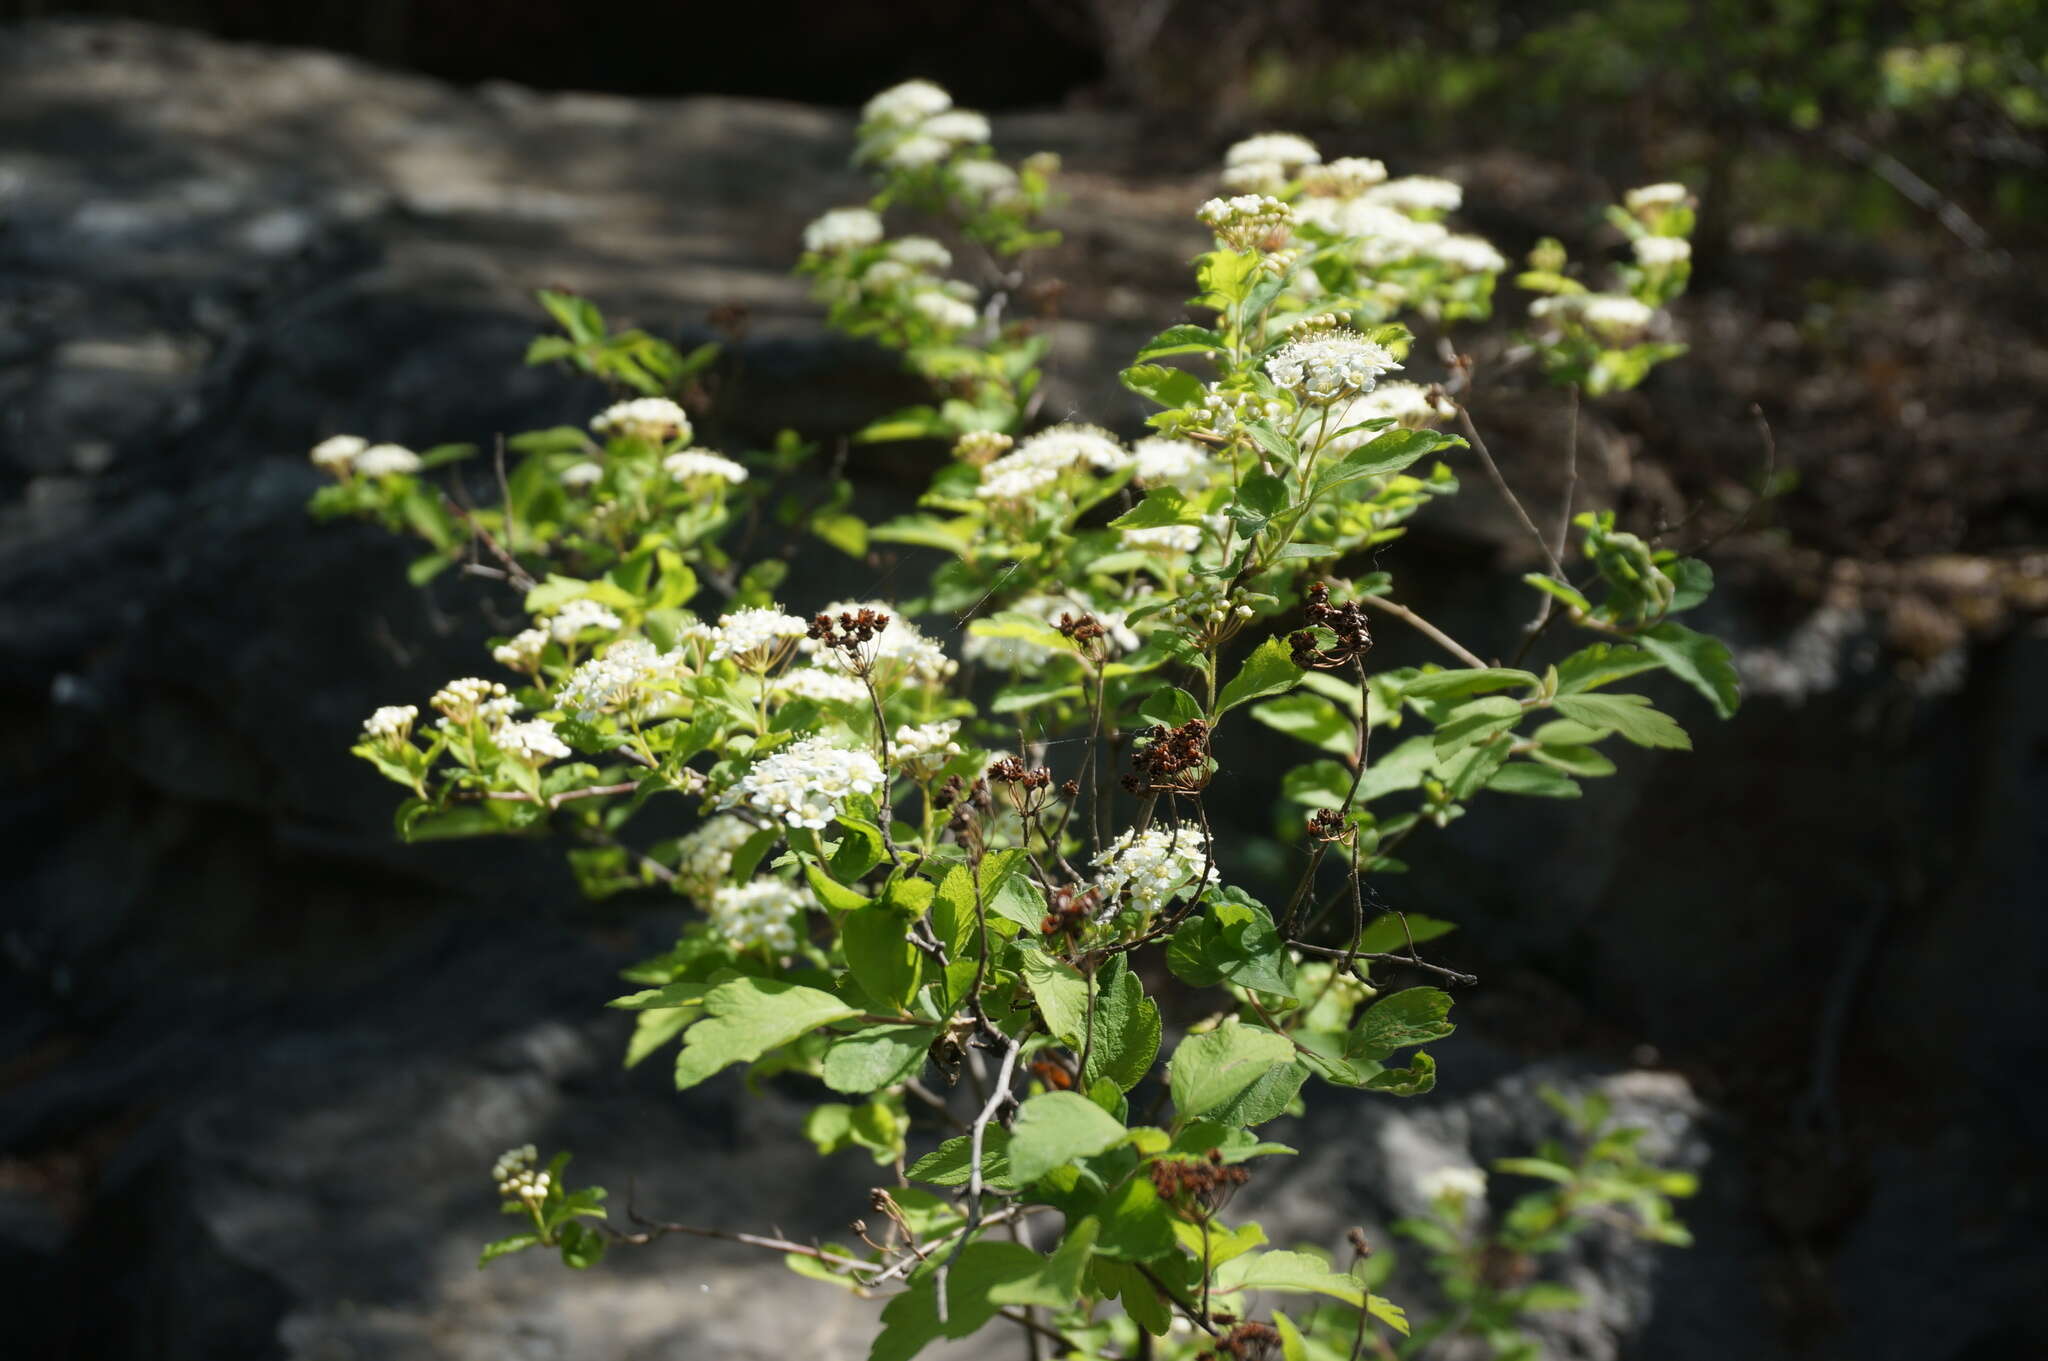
(1615, 318)
(1327, 365)
(1181, 463)
(620, 680)
(522, 651)
(1164, 538)
(990, 184)
(1662, 252)
(820, 684)
(464, 701)
(1451, 1180)
(1152, 866)
(1417, 194)
(704, 856)
(900, 650)
(577, 615)
(1265, 163)
(977, 447)
(807, 782)
(755, 637)
(533, 741)
(1651, 199)
(1248, 221)
(582, 474)
(387, 460)
(390, 725)
(517, 1179)
(1022, 654)
(691, 463)
(924, 747)
(1043, 459)
(943, 310)
(762, 912)
(1345, 177)
(337, 453)
(914, 124)
(653, 419)
(842, 229)
(1469, 254)
(920, 253)
(1411, 406)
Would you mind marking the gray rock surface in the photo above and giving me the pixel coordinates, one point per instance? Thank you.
(255, 1057)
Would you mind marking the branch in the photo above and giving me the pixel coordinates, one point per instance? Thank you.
(1500, 484)
(999, 1093)
(1424, 627)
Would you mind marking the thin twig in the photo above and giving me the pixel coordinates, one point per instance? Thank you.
(999, 1092)
(1424, 627)
(1500, 484)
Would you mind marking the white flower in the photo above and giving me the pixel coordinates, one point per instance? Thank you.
(1248, 221)
(1181, 463)
(533, 742)
(704, 856)
(619, 680)
(920, 252)
(948, 314)
(1460, 1183)
(1285, 149)
(806, 783)
(391, 724)
(1409, 405)
(1651, 198)
(884, 275)
(1661, 252)
(654, 419)
(1471, 254)
(1066, 445)
(1324, 366)
(956, 125)
(382, 460)
(843, 229)
(1152, 866)
(754, 636)
(918, 151)
(691, 463)
(337, 453)
(925, 746)
(577, 615)
(901, 649)
(1165, 538)
(1616, 316)
(910, 102)
(1255, 177)
(583, 474)
(521, 652)
(1417, 194)
(1015, 482)
(462, 701)
(1345, 177)
(988, 181)
(821, 684)
(760, 912)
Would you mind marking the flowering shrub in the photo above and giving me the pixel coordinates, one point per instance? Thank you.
(944, 882)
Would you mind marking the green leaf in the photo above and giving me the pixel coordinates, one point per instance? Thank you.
(1061, 994)
(946, 1165)
(582, 1246)
(1168, 387)
(910, 1321)
(1411, 1016)
(1161, 507)
(1629, 715)
(1538, 781)
(880, 1056)
(1417, 1079)
(880, 955)
(1182, 340)
(517, 1242)
(1055, 1128)
(831, 892)
(1387, 934)
(1601, 664)
(1055, 1283)
(655, 1028)
(1268, 671)
(1478, 720)
(748, 1017)
(1126, 1035)
(861, 848)
(1210, 1070)
(1457, 684)
(1266, 1099)
(1697, 659)
(1312, 719)
(1136, 1225)
(1171, 706)
(1390, 452)
(1297, 1273)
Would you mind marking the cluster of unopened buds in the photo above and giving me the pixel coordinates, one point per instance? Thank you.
(978, 447)
(518, 1179)
(1206, 614)
(1249, 221)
